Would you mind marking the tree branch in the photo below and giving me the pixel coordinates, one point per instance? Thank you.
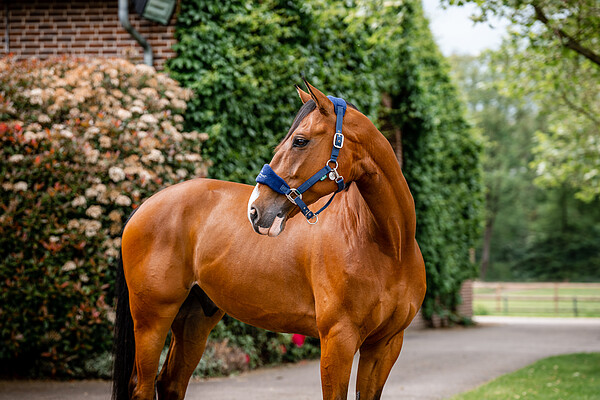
(567, 40)
(578, 109)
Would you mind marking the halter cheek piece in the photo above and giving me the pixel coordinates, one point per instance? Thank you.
(268, 177)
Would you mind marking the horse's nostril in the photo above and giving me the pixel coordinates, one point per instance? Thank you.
(253, 214)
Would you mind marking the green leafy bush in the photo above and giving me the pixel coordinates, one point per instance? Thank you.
(82, 143)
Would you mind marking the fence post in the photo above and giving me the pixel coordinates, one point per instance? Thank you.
(556, 298)
(575, 311)
(505, 304)
(498, 298)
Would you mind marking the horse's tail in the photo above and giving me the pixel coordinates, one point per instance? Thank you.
(124, 341)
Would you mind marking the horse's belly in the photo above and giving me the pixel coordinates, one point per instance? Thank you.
(260, 296)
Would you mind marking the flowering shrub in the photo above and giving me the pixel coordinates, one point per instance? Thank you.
(83, 142)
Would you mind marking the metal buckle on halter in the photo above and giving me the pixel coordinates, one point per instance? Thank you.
(293, 194)
(333, 175)
(338, 140)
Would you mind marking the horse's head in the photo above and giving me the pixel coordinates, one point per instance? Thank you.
(312, 161)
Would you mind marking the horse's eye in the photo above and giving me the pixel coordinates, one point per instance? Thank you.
(300, 142)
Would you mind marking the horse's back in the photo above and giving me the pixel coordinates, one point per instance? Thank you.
(169, 208)
(158, 247)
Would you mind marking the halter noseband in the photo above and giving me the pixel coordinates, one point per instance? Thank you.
(268, 177)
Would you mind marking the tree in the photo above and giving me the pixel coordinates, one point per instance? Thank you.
(554, 58)
(507, 127)
(531, 233)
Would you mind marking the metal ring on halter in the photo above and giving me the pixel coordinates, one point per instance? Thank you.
(294, 192)
(316, 220)
(333, 174)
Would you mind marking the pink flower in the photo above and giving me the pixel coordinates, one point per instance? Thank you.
(298, 339)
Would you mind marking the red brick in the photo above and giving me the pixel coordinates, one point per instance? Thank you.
(38, 13)
(18, 13)
(56, 14)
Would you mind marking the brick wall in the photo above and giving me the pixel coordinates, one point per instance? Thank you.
(466, 292)
(45, 28)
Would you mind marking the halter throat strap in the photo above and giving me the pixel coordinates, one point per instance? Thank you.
(270, 178)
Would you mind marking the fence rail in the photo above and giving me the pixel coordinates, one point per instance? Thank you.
(555, 298)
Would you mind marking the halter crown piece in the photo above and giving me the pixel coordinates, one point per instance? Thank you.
(268, 177)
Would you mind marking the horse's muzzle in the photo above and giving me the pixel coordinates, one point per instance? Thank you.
(267, 217)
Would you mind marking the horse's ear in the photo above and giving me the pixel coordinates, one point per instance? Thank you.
(303, 95)
(324, 105)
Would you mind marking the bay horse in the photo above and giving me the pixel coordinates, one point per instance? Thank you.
(355, 279)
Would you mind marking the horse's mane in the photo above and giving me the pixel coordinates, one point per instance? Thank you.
(306, 109)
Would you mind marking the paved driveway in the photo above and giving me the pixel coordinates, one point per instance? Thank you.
(434, 364)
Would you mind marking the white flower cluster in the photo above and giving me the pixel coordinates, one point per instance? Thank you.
(90, 140)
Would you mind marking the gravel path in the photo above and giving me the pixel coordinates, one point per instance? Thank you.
(434, 364)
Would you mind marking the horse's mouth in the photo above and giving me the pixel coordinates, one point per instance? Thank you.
(276, 227)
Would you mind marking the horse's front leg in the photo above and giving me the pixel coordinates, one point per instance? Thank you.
(338, 346)
(376, 362)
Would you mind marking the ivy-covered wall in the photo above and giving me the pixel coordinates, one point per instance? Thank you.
(440, 162)
(242, 59)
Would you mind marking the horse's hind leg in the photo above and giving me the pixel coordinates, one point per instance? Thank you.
(190, 332)
(151, 325)
(376, 362)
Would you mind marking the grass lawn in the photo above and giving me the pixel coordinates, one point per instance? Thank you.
(567, 377)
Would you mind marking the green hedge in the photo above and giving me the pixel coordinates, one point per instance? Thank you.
(241, 59)
(81, 143)
(441, 162)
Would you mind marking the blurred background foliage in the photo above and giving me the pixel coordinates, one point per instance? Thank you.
(535, 102)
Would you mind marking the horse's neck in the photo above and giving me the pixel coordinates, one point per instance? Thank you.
(388, 198)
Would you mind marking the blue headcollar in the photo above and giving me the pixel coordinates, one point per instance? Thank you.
(268, 177)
